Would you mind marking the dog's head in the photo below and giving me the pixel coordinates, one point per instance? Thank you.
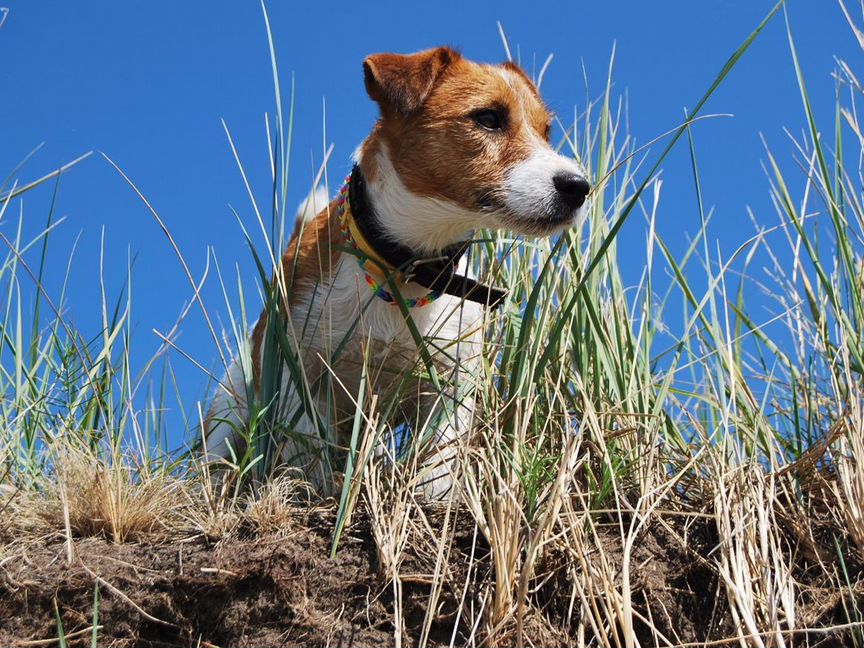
(463, 146)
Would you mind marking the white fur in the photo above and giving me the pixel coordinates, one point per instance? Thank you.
(312, 204)
(228, 411)
(529, 191)
(422, 223)
(330, 312)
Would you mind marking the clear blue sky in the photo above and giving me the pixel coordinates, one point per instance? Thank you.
(148, 82)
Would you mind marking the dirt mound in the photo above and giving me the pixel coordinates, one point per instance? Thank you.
(267, 591)
(276, 590)
(284, 590)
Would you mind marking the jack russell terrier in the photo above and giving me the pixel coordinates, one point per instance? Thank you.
(373, 288)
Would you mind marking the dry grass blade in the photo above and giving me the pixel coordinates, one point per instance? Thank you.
(756, 574)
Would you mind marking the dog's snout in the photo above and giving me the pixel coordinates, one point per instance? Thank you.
(572, 187)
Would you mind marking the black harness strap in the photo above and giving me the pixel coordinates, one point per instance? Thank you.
(435, 273)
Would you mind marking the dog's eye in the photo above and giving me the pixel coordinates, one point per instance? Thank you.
(490, 119)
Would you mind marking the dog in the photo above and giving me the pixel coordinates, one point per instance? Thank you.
(459, 146)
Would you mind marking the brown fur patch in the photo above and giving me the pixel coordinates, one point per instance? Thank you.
(440, 151)
(309, 259)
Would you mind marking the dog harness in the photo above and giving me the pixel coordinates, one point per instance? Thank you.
(381, 258)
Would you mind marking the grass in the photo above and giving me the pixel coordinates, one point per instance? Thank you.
(650, 464)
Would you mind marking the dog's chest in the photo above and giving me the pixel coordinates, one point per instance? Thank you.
(342, 320)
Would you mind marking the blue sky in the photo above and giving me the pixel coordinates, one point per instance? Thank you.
(147, 83)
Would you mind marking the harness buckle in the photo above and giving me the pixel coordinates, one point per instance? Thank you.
(409, 272)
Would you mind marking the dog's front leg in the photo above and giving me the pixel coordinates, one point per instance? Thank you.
(446, 425)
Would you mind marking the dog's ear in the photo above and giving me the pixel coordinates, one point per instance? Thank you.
(402, 83)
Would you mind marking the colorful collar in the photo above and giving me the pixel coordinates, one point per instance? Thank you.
(380, 258)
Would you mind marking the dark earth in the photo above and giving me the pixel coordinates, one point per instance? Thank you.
(284, 590)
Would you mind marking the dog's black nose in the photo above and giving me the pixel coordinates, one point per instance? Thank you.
(572, 187)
